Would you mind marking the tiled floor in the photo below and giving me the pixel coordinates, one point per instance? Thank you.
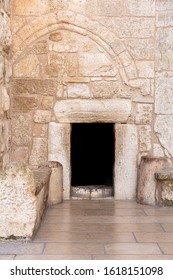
(98, 229)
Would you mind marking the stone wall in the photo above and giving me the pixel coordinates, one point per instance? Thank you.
(5, 73)
(75, 54)
(66, 51)
(164, 76)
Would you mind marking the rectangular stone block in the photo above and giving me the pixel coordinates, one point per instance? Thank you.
(164, 54)
(21, 125)
(34, 86)
(103, 89)
(27, 67)
(96, 64)
(126, 151)
(131, 26)
(24, 104)
(69, 111)
(163, 94)
(164, 130)
(162, 5)
(141, 8)
(78, 90)
(62, 64)
(111, 8)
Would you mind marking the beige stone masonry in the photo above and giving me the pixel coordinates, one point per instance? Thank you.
(23, 195)
(68, 111)
(125, 169)
(59, 151)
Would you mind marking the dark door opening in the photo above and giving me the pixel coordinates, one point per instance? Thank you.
(92, 154)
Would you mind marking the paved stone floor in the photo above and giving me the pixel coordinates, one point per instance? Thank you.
(100, 229)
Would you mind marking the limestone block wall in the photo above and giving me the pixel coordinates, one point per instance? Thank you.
(164, 77)
(5, 74)
(75, 52)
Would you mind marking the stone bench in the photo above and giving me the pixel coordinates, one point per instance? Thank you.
(164, 187)
(23, 198)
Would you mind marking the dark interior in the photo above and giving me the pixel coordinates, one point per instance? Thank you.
(92, 154)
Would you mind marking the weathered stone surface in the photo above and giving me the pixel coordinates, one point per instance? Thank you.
(164, 19)
(39, 152)
(164, 5)
(131, 26)
(163, 128)
(64, 64)
(103, 89)
(34, 86)
(126, 151)
(111, 8)
(158, 151)
(68, 111)
(56, 185)
(21, 153)
(141, 48)
(27, 67)
(5, 99)
(5, 33)
(42, 116)
(76, 80)
(145, 138)
(25, 7)
(147, 184)
(164, 189)
(40, 47)
(47, 103)
(142, 84)
(40, 130)
(23, 196)
(64, 42)
(77, 90)
(141, 8)
(163, 94)
(4, 136)
(131, 71)
(59, 151)
(164, 54)
(21, 129)
(96, 64)
(60, 91)
(165, 174)
(144, 114)
(24, 104)
(145, 69)
(18, 201)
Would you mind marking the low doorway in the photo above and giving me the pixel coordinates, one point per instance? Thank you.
(92, 155)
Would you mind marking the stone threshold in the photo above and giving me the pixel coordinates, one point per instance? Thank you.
(92, 191)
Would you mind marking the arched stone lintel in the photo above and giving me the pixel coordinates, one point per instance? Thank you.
(113, 46)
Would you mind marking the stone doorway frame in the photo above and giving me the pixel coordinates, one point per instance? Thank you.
(116, 111)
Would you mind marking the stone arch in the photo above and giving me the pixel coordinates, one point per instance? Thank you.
(113, 46)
